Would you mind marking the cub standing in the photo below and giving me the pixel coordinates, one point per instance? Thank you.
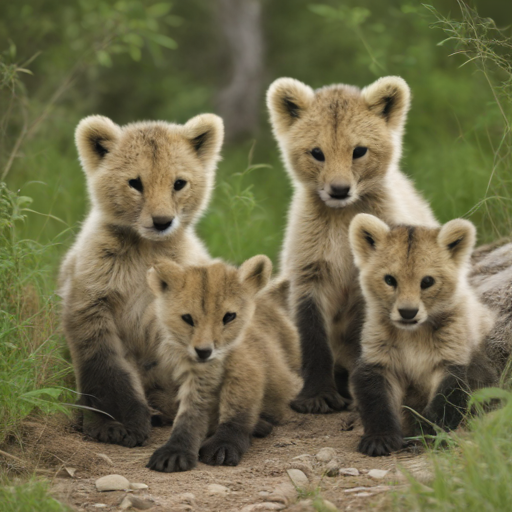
(148, 184)
(423, 340)
(341, 146)
(234, 352)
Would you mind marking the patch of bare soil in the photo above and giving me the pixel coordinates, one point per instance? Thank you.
(260, 482)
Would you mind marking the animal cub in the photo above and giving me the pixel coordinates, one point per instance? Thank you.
(148, 184)
(423, 337)
(341, 146)
(228, 342)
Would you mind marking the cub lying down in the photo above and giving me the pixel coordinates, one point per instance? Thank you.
(424, 332)
(228, 343)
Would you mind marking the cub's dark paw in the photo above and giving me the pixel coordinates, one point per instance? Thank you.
(217, 452)
(324, 402)
(169, 459)
(113, 432)
(379, 445)
(263, 428)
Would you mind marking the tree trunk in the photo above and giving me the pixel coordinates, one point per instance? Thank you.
(239, 101)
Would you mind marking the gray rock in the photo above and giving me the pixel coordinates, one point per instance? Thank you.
(349, 472)
(378, 474)
(137, 486)
(325, 455)
(218, 489)
(112, 483)
(298, 478)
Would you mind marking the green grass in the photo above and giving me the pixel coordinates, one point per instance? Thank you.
(31, 496)
(475, 474)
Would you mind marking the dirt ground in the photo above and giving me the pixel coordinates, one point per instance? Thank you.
(260, 482)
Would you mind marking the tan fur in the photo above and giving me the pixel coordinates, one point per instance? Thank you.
(255, 360)
(451, 323)
(316, 256)
(103, 276)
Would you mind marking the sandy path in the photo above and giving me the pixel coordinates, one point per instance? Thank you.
(254, 481)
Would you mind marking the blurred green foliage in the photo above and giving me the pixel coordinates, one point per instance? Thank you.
(134, 60)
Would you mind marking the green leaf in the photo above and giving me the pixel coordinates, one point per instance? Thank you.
(327, 11)
(159, 10)
(104, 58)
(36, 393)
(163, 40)
(135, 53)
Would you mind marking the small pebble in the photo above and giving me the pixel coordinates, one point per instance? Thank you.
(298, 478)
(378, 474)
(349, 472)
(137, 486)
(112, 483)
(187, 497)
(100, 505)
(325, 454)
(263, 506)
(217, 489)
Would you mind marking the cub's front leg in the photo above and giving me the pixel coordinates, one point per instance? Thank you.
(106, 380)
(241, 400)
(319, 394)
(377, 399)
(180, 453)
(450, 401)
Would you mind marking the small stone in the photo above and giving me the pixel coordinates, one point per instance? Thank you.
(263, 506)
(325, 454)
(100, 505)
(284, 493)
(126, 503)
(134, 502)
(378, 474)
(106, 458)
(298, 478)
(112, 483)
(333, 467)
(217, 489)
(187, 497)
(349, 472)
(137, 486)
(264, 493)
(363, 494)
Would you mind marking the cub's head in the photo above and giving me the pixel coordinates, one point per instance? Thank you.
(150, 176)
(339, 141)
(411, 275)
(204, 309)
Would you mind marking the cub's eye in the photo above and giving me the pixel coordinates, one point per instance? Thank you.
(390, 280)
(136, 184)
(427, 282)
(359, 152)
(318, 154)
(228, 317)
(179, 184)
(188, 319)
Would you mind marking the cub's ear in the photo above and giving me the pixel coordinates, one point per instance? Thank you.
(255, 272)
(366, 232)
(165, 275)
(287, 100)
(206, 134)
(390, 98)
(95, 136)
(458, 237)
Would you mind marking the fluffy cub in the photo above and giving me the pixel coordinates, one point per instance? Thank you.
(424, 333)
(148, 184)
(341, 146)
(234, 353)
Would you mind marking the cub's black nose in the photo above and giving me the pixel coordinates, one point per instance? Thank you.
(338, 192)
(162, 223)
(408, 314)
(203, 353)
